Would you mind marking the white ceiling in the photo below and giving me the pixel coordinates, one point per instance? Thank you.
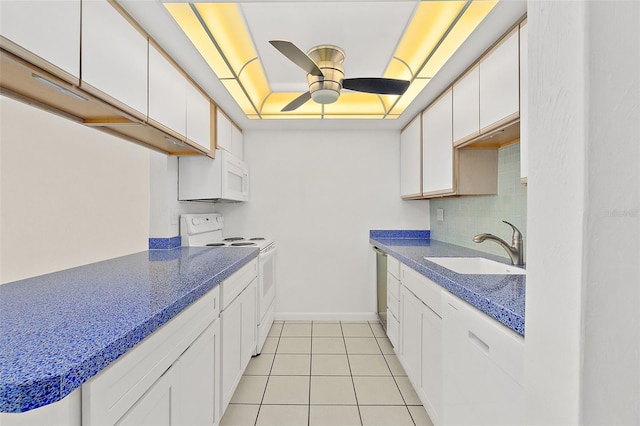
(368, 31)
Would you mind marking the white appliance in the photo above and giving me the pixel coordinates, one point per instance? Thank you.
(200, 230)
(224, 178)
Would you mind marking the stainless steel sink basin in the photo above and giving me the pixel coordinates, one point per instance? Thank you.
(476, 266)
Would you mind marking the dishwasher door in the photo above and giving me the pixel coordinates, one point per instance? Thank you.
(381, 285)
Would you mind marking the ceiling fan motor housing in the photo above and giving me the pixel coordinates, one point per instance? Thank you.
(326, 89)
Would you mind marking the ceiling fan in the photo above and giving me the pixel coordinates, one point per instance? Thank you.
(325, 75)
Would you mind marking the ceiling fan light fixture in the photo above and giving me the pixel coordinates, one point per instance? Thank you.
(325, 96)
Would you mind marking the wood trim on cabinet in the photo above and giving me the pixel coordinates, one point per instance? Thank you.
(502, 133)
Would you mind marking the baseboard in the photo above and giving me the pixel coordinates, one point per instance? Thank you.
(326, 316)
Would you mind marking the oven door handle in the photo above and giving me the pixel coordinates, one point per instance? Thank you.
(269, 251)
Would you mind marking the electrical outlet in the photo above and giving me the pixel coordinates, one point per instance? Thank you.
(440, 213)
(173, 217)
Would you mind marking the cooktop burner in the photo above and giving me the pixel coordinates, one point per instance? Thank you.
(216, 244)
(257, 239)
(244, 243)
(234, 239)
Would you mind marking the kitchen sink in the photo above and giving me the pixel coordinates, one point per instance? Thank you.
(476, 266)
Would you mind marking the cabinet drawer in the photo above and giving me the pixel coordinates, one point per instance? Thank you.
(113, 391)
(426, 290)
(393, 286)
(393, 267)
(393, 305)
(393, 328)
(498, 343)
(233, 286)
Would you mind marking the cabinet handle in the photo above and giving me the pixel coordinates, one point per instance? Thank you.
(478, 342)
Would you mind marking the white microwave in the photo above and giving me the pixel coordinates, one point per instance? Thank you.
(223, 178)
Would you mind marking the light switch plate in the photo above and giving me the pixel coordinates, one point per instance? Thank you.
(440, 215)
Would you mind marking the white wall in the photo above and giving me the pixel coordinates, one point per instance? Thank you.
(611, 311)
(165, 207)
(70, 195)
(318, 193)
(582, 345)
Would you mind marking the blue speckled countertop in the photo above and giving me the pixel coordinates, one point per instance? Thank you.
(60, 329)
(499, 296)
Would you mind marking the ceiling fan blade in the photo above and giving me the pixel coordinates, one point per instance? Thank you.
(381, 86)
(297, 56)
(297, 102)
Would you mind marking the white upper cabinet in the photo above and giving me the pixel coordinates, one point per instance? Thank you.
(114, 56)
(50, 30)
(411, 160)
(198, 118)
(437, 147)
(223, 132)
(524, 99)
(237, 142)
(466, 106)
(499, 83)
(167, 93)
(228, 136)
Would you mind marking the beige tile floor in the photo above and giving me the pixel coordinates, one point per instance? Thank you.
(325, 374)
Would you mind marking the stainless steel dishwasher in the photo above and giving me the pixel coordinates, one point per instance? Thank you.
(381, 285)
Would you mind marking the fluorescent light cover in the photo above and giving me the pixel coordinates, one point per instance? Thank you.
(435, 31)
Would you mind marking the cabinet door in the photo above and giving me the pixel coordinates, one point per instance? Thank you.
(198, 381)
(411, 160)
(410, 334)
(198, 117)
(231, 349)
(249, 322)
(49, 30)
(524, 99)
(499, 83)
(483, 367)
(466, 106)
(114, 56)
(167, 93)
(237, 142)
(154, 408)
(437, 147)
(429, 386)
(223, 132)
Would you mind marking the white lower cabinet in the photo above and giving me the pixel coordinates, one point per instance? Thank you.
(393, 309)
(186, 393)
(198, 399)
(421, 336)
(483, 368)
(238, 320)
(466, 367)
(171, 377)
(155, 406)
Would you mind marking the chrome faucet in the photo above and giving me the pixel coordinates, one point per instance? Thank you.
(515, 250)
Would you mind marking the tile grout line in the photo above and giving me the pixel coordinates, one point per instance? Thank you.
(310, 370)
(353, 383)
(395, 380)
(264, 392)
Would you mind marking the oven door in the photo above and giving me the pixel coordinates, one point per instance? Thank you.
(235, 178)
(266, 281)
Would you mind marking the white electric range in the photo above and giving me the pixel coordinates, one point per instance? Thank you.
(206, 230)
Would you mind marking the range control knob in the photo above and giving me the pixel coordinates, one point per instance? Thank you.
(196, 221)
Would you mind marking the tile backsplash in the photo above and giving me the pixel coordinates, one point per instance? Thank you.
(467, 216)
